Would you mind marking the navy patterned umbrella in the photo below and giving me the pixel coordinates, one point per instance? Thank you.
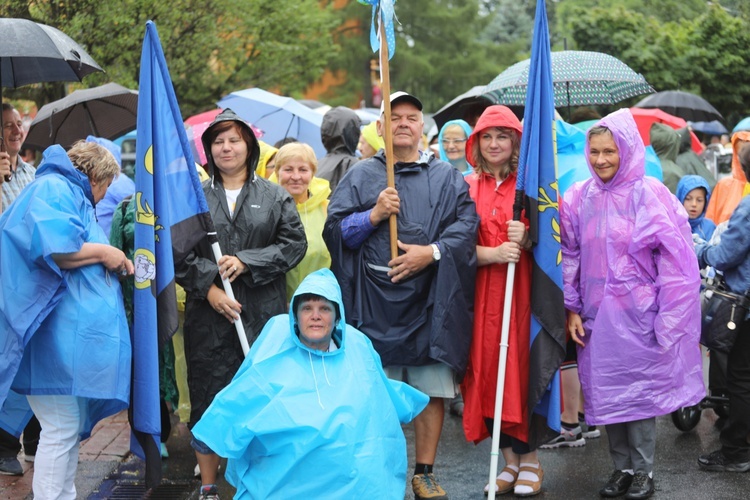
(580, 78)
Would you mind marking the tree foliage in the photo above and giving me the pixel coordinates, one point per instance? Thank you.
(211, 46)
(706, 54)
(444, 47)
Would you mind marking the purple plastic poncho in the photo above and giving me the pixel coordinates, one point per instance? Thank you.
(630, 271)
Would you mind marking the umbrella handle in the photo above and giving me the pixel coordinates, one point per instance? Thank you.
(8, 177)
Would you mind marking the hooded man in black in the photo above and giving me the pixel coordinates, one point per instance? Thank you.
(339, 132)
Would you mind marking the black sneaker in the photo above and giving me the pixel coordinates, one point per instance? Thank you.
(617, 485)
(718, 462)
(641, 487)
(10, 466)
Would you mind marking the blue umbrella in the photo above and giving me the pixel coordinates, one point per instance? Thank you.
(713, 127)
(277, 116)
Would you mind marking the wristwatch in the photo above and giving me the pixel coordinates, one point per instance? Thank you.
(435, 252)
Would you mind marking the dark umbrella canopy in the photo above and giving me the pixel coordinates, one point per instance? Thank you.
(34, 53)
(687, 106)
(580, 78)
(455, 109)
(107, 111)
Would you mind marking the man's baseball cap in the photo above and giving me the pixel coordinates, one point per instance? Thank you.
(402, 96)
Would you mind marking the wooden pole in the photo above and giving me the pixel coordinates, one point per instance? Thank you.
(385, 77)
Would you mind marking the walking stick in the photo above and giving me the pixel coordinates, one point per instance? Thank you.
(503, 359)
(230, 293)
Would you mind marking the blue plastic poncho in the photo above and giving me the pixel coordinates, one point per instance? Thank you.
(63, 332)
(700, 225)
(630, 271)
(294, 421)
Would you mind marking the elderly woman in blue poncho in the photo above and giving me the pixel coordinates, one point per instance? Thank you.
(65, 339)
(452, 144)
(311, 412)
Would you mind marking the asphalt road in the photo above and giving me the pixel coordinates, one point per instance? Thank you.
(463, 468)
(577, 473)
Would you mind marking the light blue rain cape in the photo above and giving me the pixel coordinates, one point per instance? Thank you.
(62, 332)
(297, 423)
(465, 167)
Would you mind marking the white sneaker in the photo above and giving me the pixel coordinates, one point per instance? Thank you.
(568, 438)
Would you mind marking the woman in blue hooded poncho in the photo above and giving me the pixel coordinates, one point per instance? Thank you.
(452, 144)
(694, 193)
(65, 339)
(310, 411)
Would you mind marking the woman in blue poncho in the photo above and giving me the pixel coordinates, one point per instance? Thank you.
(452, 144)
(62, 321)
(310, 412)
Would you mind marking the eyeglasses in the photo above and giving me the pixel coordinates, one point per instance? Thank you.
(451, 142)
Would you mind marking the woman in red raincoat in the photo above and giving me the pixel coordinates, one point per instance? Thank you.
(493, 150)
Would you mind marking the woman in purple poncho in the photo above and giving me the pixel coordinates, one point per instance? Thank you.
(631, 290)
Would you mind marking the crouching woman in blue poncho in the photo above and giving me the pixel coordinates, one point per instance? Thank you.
(310, 411)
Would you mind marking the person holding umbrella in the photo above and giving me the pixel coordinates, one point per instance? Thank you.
(492, 150)
(21, 174)
(16, 173)
(631, 291)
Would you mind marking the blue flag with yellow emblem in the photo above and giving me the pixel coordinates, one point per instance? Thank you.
(171, 217)
(537, 177)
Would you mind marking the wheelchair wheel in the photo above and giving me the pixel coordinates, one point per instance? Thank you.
(722, 411)
(685, 419)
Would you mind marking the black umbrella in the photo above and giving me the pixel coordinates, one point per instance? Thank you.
(687, 106)
(107, 111)
(34, 53)
(457, 107)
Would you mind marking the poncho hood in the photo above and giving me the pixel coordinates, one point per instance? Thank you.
(629, 146)
(666, 141)
(55, 161)
(686, 141)
(254, 149)
(737, 172)
(687, 184)
(370, 133)
(266, 153)
(340, 130)
(322, 282)
(467, 132)
(493, 116)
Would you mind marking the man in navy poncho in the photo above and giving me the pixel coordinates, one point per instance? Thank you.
(417, 308)
(306, 419)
